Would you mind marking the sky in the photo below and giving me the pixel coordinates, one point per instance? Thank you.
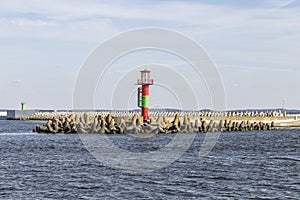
(254, 44)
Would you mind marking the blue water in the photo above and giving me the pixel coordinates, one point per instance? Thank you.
(242, 165)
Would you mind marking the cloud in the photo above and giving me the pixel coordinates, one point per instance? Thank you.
(88, 20)
(17, 81)
(63, 10)
(279, 3)
(27, 22)
(260, 68)
(83, 30)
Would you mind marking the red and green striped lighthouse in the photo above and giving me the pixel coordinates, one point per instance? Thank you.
(143, 93)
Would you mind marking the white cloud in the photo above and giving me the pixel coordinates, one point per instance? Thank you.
(83, 30)
(70, 10)
(279, 3)
(27, 22)
(86, 19)
(18, 81)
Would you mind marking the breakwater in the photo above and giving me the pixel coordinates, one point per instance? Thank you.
(161, 122)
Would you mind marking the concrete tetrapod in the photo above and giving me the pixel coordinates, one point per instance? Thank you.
(85, 123)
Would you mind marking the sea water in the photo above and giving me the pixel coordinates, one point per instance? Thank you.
(242, 165)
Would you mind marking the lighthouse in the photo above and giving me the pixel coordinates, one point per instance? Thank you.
(143, 93)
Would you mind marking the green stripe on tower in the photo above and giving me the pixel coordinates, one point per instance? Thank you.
(145, 100)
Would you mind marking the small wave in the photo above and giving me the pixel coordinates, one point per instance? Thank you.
(13, 134)
(286, 158)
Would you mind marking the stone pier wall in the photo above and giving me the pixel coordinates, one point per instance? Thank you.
(161, 122)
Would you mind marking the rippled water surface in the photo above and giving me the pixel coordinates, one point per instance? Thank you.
(248, 165)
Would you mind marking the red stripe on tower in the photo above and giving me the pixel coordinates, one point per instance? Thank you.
(145, 90)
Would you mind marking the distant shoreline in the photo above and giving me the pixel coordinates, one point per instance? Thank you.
(19, 114)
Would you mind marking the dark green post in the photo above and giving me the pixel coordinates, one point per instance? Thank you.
(23, 106)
